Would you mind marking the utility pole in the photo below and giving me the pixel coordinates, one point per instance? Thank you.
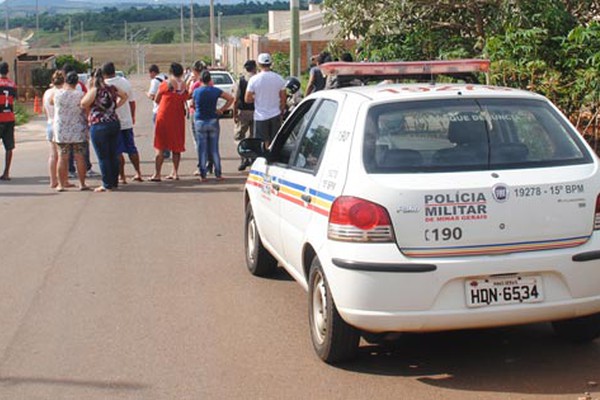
(212, 32)
(192, 29)
(37, 17)
(295, 38)
(81, 29)
(70, 37)
(6, 18)
(125, 28)
(219, 38)
(182, 38)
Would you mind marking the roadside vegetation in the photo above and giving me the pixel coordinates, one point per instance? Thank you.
(22, 116)
(551, 47)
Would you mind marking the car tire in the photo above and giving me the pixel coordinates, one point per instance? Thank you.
(578, 330)
(258, 259)
(333, 339)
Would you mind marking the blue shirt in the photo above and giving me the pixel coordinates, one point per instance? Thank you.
(205, 101)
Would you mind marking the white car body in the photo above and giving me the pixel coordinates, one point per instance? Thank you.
(224, 81)
(452, 230)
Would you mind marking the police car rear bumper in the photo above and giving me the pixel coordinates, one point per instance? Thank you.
(433, 320)
(409, 298)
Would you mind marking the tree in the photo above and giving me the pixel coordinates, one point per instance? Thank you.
(69, 59)
(162, 36)
(257, 22)
(414, 29)
(551, 47)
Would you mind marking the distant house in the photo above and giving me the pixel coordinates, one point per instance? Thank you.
(10, 48)
(315, 36)
(23, 67)
(33, 74)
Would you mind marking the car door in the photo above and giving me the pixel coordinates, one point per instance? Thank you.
(299, 184)
(270, 174)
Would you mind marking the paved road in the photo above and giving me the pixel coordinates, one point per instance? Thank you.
(143, 294)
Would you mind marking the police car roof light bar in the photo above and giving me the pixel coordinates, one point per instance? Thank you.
(405, 69)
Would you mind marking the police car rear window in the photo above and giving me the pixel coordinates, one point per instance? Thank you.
(467, 134)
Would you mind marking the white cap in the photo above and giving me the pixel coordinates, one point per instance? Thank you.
(264, 59)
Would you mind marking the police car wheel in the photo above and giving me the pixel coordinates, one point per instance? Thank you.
(258, 259)
(578, 330)
(333, 339)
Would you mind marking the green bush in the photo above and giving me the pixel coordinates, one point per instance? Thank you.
(163, 36)
(69, 59)
(21, 114)
(281, 64)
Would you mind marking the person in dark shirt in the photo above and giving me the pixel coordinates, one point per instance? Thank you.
(243, 113)
(8, 93)
(316, 80)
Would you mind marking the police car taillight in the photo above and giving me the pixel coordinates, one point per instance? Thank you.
(357, 220)
(597, 214)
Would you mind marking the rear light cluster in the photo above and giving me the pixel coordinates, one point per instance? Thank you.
(357, 220)
(597, 214)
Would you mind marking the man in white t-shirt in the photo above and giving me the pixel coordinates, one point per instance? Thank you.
(267, 91)
(126, 114)
(156, 78)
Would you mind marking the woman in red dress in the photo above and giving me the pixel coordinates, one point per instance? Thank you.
(169, 133)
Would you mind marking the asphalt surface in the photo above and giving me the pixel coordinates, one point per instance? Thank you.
(143, 293)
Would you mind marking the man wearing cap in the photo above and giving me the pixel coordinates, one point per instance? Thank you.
(267, 91)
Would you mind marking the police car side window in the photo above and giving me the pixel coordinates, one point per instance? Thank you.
(287, 139)
(315, 137)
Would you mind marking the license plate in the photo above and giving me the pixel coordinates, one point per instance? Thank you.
(502, 290)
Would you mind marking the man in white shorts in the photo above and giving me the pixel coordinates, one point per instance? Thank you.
(126, 114)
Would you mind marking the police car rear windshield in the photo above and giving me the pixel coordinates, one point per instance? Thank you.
(467, 134)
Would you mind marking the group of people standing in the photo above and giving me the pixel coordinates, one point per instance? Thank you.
(106, 112)
(174, 99)
(77, 115)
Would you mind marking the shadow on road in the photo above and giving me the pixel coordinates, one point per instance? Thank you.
(527, 359)
(107, 385)
(185, 185)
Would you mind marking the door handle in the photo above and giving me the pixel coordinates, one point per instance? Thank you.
(306, 197)
(276, 186)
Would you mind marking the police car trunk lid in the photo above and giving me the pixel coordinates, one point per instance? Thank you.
(496, 213)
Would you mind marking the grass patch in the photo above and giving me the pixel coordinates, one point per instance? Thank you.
(22, 116)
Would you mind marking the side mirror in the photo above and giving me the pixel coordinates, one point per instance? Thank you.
(252, 148)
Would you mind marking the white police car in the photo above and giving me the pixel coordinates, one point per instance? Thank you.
(427, 207)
